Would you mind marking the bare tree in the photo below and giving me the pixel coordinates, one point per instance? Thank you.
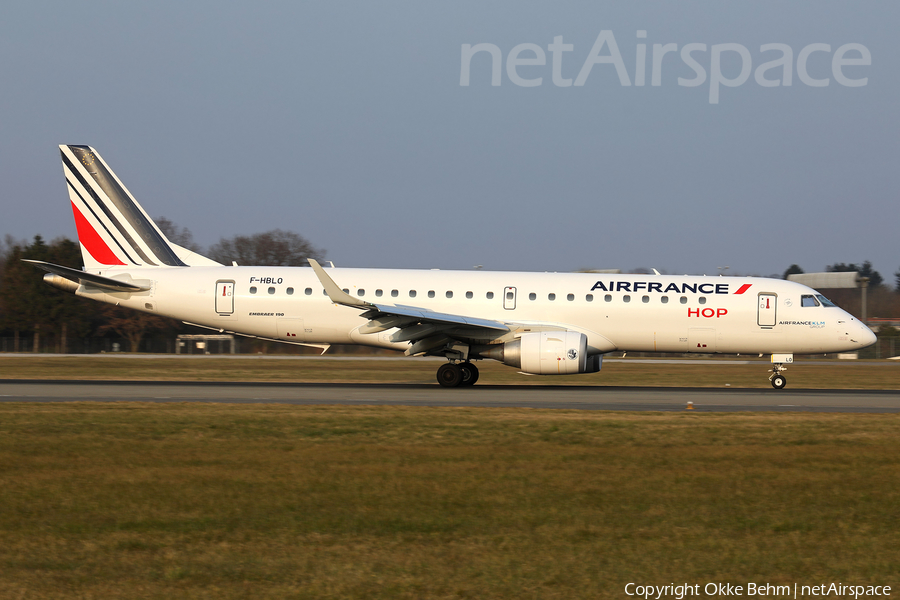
(271, 248)
(179, 235)
(132, 325)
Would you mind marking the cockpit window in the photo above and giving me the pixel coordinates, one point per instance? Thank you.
(808, 301)
(825, 301)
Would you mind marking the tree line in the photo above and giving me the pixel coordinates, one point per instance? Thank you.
(47, 316)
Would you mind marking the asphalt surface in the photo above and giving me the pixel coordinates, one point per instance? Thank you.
(506, 396)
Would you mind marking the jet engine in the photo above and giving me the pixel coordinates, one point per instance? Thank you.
(546, 353)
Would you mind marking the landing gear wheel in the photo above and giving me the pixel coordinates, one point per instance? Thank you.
(449, 375)
(776, 377)
(469, 373)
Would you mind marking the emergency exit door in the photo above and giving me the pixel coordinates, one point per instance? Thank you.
(766, 313)
(225, 297)
(509, 298)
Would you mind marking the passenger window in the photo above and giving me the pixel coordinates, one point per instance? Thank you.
(360, 292)
(394, 293)
(607, 298)
(532, 296)
(378, 293)
(308, 291)
(509, 296)
(664, 299)
(702, 300)
(449, 294)
(346, 291)
(290, 291)
(645, 299)
(271, 291)
(551, 296)
(490, 295)
(469, 295)
(253, 290)
(412, 293)
(589, 297)
(570, 297)
(808, 301)
(431, 293)
(683, 300)
(626, 298)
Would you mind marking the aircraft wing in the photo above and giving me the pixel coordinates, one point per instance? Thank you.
(424, 329)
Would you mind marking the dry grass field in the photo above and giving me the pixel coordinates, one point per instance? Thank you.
(830, 375)
(116, 500)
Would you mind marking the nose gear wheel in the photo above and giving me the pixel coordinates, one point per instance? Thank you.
(778, 380)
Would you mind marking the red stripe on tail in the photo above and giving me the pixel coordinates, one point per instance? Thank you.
(92, 241)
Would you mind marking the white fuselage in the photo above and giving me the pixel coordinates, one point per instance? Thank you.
(656, 313)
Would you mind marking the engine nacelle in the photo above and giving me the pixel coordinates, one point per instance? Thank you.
(547, 353)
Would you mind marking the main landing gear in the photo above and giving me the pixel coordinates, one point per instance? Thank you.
(457, 374)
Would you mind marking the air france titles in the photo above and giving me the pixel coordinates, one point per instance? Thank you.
(811, 324)
(656, 286)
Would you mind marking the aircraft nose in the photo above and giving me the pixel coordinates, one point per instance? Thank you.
(866, 336)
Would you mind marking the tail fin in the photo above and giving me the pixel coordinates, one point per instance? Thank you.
(113, 229)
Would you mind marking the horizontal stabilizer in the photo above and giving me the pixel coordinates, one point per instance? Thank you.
(106, 283)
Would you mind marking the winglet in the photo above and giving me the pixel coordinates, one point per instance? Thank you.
(337, 295)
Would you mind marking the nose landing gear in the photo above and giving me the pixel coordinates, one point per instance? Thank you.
(778, 380)
(778, 361)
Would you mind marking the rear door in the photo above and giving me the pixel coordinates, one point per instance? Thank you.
(225, 297)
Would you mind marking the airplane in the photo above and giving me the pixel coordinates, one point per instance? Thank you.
(538, 323)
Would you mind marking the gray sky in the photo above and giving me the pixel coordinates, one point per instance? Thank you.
(347, 123)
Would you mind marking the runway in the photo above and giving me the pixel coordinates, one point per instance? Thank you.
(496, 396)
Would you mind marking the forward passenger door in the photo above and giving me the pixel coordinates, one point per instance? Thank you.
(766, 313)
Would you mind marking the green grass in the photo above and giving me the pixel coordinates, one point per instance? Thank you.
(235, 501)
(836, 375)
